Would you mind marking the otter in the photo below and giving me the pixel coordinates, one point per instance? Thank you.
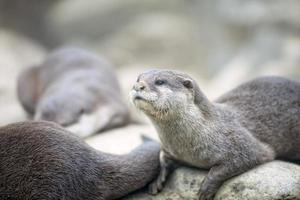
(76, 89)
(42, 160)
(254, 123)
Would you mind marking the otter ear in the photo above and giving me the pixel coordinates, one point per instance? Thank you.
(188, 83)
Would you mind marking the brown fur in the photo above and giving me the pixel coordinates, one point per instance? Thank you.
(42, 161)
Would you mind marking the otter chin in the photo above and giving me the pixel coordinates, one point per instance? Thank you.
(136, 97)
(141, 102)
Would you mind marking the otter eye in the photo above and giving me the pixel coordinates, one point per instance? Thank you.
(160, 82)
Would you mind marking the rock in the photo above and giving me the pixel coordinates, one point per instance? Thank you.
(28, 19)
(210, 38)
(183, 184)
(167, 33)
(77, 18)
(260, 12)
(270, 41)
(122, 140)
(276, 180)
(269, 52)
(17, 52)
(147, 40)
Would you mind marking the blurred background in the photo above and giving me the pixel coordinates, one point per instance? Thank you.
(219, 42)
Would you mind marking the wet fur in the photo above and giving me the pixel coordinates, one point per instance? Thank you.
(252, 124)
(41, 160)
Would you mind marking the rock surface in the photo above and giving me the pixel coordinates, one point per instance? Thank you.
(17, 52)
(276, 180)
(122, 140)
(223, 42)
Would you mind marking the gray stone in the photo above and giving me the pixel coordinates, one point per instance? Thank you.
(260, 12)
(182, 184)
(122, 140)
(276, 180)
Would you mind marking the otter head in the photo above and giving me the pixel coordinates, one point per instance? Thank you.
(163, 93)
(64, 109)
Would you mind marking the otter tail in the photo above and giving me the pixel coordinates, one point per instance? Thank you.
(134, 170)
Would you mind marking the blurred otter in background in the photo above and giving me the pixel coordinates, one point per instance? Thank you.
(41, 160)
(76, 89)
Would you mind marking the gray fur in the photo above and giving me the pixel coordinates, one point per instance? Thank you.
(42, 161)
(252, 124)
(71, 83)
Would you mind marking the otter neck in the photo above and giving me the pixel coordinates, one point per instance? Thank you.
(191, 124)
(207, 109)
(188, 115)
(201, 109)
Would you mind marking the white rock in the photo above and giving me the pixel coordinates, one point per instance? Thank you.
(275, 180)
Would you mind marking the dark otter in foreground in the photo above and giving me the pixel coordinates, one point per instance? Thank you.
(41, 160)
(76, 89)
(250, 125)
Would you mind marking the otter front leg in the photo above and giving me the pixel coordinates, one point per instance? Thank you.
(212, 182)
(215, 178)
(166, 165)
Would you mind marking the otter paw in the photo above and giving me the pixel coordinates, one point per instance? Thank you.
(205, 195)
(155, 187)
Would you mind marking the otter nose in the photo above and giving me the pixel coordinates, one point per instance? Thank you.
(139, 86)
